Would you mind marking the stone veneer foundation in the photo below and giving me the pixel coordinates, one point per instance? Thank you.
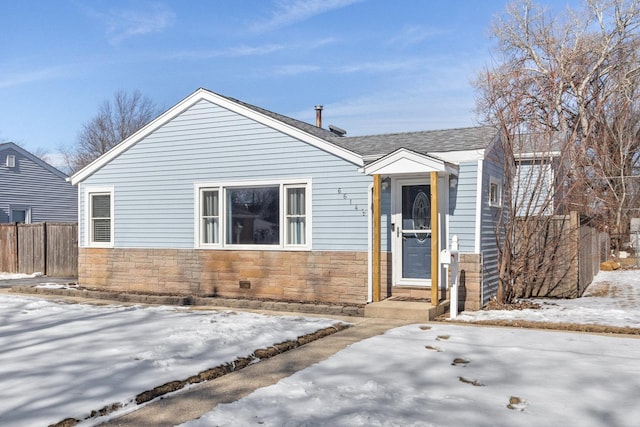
(328, 276)
(332, 277)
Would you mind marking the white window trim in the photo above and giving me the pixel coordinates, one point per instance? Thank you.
(10, 161)
(286, 216)
(26, 208)
(222, 187)
(495, 181)
(88, 192)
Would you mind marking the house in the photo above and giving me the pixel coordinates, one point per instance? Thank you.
(220, 197)
(541, 168)
(32, 191)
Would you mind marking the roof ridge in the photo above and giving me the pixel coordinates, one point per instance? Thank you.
(420, 131)
(33, 158)
(304, 126)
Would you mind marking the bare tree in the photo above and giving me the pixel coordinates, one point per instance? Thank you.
(565, 92)
(115, 121)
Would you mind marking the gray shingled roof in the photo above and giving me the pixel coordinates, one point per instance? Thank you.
(433, 141)
(325, 134)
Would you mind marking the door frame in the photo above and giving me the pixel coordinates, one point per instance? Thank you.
(396, 217)
(396, 234)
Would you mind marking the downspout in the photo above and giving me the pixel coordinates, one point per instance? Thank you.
(478, 208)
(478, 233)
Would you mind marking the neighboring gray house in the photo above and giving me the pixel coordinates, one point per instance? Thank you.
(33, 191)
(219, 197)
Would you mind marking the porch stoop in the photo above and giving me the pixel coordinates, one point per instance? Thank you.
(405, 310)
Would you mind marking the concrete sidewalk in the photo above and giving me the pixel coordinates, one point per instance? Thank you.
(194, 402)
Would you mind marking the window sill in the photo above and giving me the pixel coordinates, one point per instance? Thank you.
(99, 245)
(265, 248)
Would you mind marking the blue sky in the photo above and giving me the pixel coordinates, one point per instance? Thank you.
(377, 66)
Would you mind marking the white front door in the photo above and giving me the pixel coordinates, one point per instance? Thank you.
(411, 232)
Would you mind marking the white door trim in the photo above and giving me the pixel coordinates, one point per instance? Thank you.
(396, 234)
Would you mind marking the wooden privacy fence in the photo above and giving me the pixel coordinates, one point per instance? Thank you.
(574, 250)
(49, 248)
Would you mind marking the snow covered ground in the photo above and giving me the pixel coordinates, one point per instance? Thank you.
(10, 276)
(452, 375)
(446, 375)
(61, 360)
(613, 299)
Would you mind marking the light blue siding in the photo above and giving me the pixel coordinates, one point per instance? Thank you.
(154, 180)
(462, 207)
(533, 188)
(31, 185)
(490, 223)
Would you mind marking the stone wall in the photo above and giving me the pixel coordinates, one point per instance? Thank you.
(470, 282)
(333, 277)
(330, 277)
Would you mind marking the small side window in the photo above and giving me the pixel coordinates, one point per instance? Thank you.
(495, 192)
(100, 218)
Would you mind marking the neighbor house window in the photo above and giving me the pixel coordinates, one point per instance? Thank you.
(253, 215)
(100, 218)
(495, 192)
(11, 161)
(21, 215)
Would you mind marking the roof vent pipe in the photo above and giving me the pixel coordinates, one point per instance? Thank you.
(318, 115)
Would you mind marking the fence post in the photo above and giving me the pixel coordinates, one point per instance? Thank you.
(17, 248)
(46, 249)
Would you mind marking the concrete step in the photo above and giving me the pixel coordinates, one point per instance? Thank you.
(405, 310)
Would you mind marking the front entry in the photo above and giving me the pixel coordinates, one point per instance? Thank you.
(411, 233)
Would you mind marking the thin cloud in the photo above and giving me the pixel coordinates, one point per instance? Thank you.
(412, 35)
(289, 12)
(378, 67)
(25, 77)
(252, 50)
(316, 44)
(122, 24)
(398, 110)
(245, 50)
(296, 69)
(230, 52)
(356, 67)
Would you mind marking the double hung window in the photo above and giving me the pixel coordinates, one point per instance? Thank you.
(296, 217)
(210, 216)
(253, 215)
(100, 218)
